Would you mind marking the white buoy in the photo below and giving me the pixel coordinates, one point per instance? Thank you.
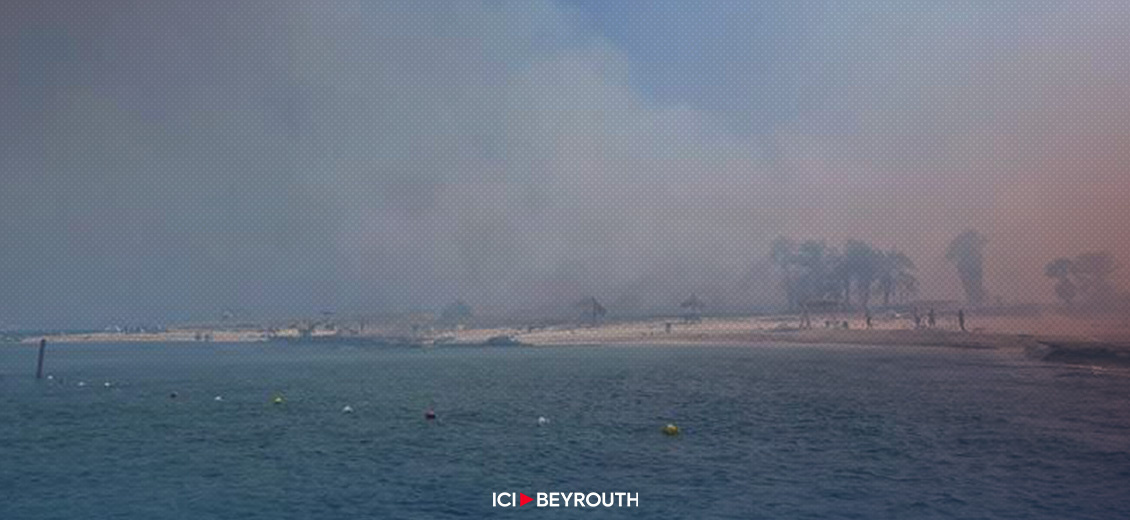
(218, 398)
(107, 384)
(347, 409)
(542, 421)
(50, 377)
(82, 383)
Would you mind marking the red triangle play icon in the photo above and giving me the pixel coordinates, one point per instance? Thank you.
(523, 499)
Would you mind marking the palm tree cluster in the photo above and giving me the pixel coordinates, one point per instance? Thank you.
(813, 272)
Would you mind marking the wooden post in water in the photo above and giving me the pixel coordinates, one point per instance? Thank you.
(42, 350)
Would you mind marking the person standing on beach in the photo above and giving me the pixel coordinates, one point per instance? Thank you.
(932, 319)
(961, 319)
(917, 318)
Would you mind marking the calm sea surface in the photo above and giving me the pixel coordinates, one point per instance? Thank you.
(789, 432)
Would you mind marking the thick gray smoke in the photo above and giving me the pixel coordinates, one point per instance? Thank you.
(166, 160)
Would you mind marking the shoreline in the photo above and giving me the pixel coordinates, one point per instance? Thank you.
(1049, 338)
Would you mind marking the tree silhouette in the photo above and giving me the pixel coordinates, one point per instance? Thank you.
(592, 309)
(783, 254)
(895, 275)
(1087, 275)
(694, 307)
(1060, 270)
(861, 265)
(1093, 272)
(816, 274)
(966, 252)
(821, 270)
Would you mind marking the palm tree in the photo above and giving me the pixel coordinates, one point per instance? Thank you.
(1093, 272)
(895, 276)
(906, 286)
(861, 264)
(1060, 270)
(1087, 276)
(783, 253)
(819, 278)
(966, 251)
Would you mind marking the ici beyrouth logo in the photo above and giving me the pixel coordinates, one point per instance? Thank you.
(559, 499)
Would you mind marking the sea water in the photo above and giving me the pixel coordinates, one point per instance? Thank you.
(765, 432)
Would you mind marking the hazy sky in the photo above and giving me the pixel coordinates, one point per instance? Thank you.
(165, 160)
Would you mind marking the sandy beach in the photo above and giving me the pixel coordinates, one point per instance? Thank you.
(1053, 336)
(984, 332)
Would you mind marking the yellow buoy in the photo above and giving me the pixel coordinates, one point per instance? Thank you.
(670, 429)
(278, 400)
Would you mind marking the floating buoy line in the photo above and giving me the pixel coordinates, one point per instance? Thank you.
(670, 429)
